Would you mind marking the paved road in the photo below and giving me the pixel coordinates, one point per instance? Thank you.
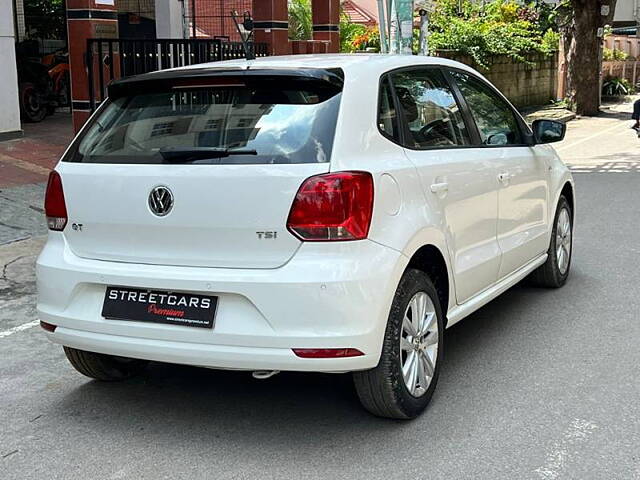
(540, 384)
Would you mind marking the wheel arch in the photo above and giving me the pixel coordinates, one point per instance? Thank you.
(429, 259)
(562, 186)
(568, 193)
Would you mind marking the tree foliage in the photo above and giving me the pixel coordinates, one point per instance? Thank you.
(499, 27)
(45, 18)
(300, 20)
(348, 33)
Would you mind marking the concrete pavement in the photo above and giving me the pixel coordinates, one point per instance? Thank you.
(603, 144)
(24, 167)
(540, 384)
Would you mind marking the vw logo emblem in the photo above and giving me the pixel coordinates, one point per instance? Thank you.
(160, 201)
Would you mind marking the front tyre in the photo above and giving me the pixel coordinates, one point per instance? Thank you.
(555, 271)
(403, 383)
(107, 368)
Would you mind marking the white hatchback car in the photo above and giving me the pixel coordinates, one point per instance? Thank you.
(329, 213)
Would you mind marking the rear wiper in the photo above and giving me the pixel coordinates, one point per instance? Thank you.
(187, 154)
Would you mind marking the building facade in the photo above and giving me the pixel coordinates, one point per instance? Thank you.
(10, 117)
(627, 13)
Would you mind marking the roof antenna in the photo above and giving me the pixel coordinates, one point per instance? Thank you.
(246, 31)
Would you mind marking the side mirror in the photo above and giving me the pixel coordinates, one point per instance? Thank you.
(548, 131)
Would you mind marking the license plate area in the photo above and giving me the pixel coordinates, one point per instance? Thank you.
(156, 306)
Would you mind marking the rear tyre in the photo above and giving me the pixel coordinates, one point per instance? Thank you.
(555, 271)
(403, 383)
(106, 368)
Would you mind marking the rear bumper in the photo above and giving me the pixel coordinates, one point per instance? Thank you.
(230, 357)
(328, 296)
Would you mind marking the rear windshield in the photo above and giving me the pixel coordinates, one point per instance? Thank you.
(264, 123)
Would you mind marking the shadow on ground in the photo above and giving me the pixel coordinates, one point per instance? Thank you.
(233, 404)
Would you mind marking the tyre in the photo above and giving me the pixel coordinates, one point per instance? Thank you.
(403, 383)
(32, 106)
(555, 271)
(106, 368)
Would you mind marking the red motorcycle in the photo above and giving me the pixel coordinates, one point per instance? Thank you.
(58, 65)
(44, 83)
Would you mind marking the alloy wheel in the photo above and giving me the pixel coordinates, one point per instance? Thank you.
(563, 241)
(419, 344)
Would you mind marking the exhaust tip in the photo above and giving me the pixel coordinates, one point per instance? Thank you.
(264, 374)
(48, 326)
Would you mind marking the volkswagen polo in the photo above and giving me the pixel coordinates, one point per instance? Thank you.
(331, 213)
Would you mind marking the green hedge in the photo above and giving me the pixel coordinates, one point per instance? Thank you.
(500, 27)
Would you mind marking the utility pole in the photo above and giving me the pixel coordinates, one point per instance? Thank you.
(382, 25)
(401, 27)
(405, 22)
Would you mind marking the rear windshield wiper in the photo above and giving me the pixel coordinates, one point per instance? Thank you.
(188, 154)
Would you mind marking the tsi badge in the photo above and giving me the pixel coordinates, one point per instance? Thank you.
(267, 235)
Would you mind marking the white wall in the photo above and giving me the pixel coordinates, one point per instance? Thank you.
(626, 11)
(9, 108)
(169, 19)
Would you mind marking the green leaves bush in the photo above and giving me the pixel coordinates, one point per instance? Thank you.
(300, 19)
(617, 87)
(615, 54)
(352, 35)
(500, 27)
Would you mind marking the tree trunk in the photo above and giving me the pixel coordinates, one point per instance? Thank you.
(567, 30)
(585, 55)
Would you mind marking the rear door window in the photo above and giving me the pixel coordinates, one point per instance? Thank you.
(238, 121)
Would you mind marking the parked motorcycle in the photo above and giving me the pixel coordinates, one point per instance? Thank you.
(43, 83)
(58, 65)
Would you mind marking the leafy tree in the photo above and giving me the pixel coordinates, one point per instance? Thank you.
(348, 33)
(45, 18)
(499, 27)
(300, 20)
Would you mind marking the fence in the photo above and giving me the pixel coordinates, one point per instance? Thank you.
(625, 43)
(629, 69)
(109, 59)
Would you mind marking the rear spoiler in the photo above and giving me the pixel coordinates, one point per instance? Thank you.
(330, 79)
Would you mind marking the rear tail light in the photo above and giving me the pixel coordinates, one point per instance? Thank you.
(327, 352)
(333, 207)
(54, 205)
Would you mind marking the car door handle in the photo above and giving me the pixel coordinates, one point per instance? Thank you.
(440, 187)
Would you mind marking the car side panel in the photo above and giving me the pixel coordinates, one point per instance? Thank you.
(559, 176)
(469, 212)
(523, 219)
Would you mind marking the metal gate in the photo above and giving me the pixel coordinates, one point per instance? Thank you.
(109, 59)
